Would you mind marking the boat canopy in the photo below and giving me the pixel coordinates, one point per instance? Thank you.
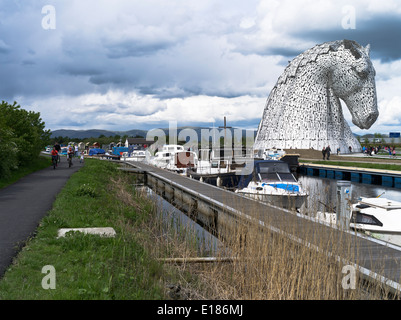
(96, 151)
(270, 170)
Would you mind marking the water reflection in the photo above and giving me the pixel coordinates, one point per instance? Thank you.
(322, 192)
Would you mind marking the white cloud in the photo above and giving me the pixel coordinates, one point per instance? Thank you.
(129, 62)
(129, 110)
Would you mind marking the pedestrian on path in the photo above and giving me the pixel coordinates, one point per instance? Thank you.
(328, 150)
(324, 153)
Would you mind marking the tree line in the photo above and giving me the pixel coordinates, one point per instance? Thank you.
(22, 137)
(102, 139)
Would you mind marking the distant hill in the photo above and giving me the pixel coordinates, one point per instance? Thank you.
(96, 133)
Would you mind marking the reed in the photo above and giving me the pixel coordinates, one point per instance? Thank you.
(294, 262)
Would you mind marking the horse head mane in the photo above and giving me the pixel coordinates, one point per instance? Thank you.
(313, 53)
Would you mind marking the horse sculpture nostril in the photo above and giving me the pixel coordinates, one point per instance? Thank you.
(371, 119)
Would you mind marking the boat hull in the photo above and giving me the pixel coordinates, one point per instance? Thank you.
(289, 201)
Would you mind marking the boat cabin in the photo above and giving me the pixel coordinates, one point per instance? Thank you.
(266, 171)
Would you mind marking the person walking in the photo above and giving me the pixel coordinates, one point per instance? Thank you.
(324, 153)
(328, 150)
(82, 157)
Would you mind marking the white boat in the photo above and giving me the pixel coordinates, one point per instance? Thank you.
(379, 218)
(175, 158)
(272, 181)
(213, 167)
(136, 155)
(181, 161)
(162, 158)
(270, 154)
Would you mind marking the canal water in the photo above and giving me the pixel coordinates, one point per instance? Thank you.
(174, 219)
(322, 192)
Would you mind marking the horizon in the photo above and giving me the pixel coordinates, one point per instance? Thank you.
(183, 127)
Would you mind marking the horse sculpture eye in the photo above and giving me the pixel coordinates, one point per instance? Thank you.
(363, 74)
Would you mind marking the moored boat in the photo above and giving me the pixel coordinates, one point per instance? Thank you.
(379, 218)
(136, 155)
(272, 181)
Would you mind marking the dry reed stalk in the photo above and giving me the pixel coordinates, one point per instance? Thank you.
(268, 263)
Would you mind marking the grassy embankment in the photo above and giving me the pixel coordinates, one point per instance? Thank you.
(88, 266)
(35, 165)
(368, 165)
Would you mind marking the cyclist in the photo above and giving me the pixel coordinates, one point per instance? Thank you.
(58, 148)
(70, 154)
(54, 154)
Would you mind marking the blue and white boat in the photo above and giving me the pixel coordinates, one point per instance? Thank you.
(272, 181)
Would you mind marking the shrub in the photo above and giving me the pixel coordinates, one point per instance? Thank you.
(86, 190)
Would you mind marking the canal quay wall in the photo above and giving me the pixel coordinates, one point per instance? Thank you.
(220, 212)
(385, 178)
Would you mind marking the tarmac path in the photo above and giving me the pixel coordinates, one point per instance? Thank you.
(24, 204)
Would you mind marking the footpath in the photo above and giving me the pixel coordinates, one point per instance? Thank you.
(24, 204)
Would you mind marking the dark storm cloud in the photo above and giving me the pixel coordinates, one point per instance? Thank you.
(382, 32)
(135, 48)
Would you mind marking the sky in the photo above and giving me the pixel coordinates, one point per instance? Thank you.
(141, 64)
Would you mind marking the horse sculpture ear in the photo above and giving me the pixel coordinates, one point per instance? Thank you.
(367, 50)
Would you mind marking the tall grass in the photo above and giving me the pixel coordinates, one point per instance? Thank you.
(267, 263)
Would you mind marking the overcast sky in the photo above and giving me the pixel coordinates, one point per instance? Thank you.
(127, 64)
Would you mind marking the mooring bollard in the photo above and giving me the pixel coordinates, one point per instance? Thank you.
(343, 204)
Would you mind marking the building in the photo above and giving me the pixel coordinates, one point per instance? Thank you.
(138, 142)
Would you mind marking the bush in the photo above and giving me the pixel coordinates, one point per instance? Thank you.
(86, 190)
(22, 137)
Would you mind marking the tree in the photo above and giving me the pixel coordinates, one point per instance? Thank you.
(8, 147)
(22, 135)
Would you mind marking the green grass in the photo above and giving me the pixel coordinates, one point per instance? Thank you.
(35, 165)
(89, 266)
(357, 164)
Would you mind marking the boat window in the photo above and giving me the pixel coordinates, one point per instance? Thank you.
(269, 177)
(280, 167)
(363, 218)
(288, 177)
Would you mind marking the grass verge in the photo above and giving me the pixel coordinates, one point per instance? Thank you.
(381, 166)
(35, 165)
(89, 266)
